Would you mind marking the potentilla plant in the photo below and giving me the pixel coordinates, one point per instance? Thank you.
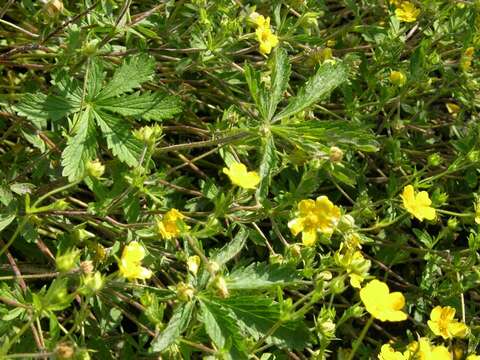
(218, 179)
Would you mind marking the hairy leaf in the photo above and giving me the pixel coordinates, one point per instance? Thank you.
(39, 107)
(260, 275)
(269, 161)
(232, 248)
(279, 80)
(222, 329)
(257, 90)
(257, 316)
(148, 106)
(327, 78)
(80, 148)
(177, 324)
(119, 138)
(129, 76)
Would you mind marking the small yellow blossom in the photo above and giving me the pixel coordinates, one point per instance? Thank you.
(452, 108)
(388, 353)
(168, 227)
(95, 168)
(418, 204)
(238, 174)
(353, 262)
(466, 60)
(398, 78)
(423, 350)
(320, 215)
(193, 263)
(473, 357)
(477, 212)
(267, 39)
(407, 12)
(442, 323)
(131, 260)
(381, 303)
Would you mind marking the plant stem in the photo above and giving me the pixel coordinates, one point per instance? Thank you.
(358, 342)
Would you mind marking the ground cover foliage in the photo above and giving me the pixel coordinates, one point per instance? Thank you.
(229, 179)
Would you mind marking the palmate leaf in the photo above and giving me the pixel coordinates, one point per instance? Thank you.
(119, 138)
(327, 78)
(257, 315)
(129, 76)
(80, 148)
(177, 324)
(148, 106)
(261, 276)
(222, 329)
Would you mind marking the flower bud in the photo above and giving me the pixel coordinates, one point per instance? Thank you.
(67, 261)
(148, 134)
(64, 351)
(213, 267)
(95, 169)
(185, 292)
(193, 263)
(86, 267)
(434, 159)
(398, 78)
(92, 283)
(221, 286)
(336, 154)
(452, 223)
(53, 7)
(295, 250)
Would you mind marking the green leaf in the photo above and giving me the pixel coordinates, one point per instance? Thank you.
(119, 138)
(257, 315)
(5, 220)
(80, 148)
(222, 329)
(279, 80)
(269, 161)
(260, 275)
(148, 106)
(95, 79)
(230, 250)
(177, 324)
(39, 107)
(257, 90)
(327, 78)
(129, 76)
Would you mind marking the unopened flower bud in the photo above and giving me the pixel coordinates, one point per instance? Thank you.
(452, 223)
(295, 250)
(193, 263)
(64, 351)
(92, 283)
(53, 7)
(86, 267)
(398, 78)
(221, 286)
(434, 159)
(95, 169)
(67, 261)
(213, 267)
(185, 292)
(148, 134)
(336, 154)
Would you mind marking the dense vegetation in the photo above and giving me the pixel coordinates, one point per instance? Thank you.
(233, 179)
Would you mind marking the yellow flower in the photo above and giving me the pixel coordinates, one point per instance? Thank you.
(267, 39)
(418, 205)
(168, 227)
(473, 357)
(382, 304)
(442, 323)
(423, 350)
(388, 353)
(238, 174)
(320, 215)
(466, 60)
(398, 78)
(407, 12)
(452, 108)
(131, 260)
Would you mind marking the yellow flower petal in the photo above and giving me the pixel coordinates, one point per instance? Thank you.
(238, 174)
(382, 304)
(309, 237)
(296, 226)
